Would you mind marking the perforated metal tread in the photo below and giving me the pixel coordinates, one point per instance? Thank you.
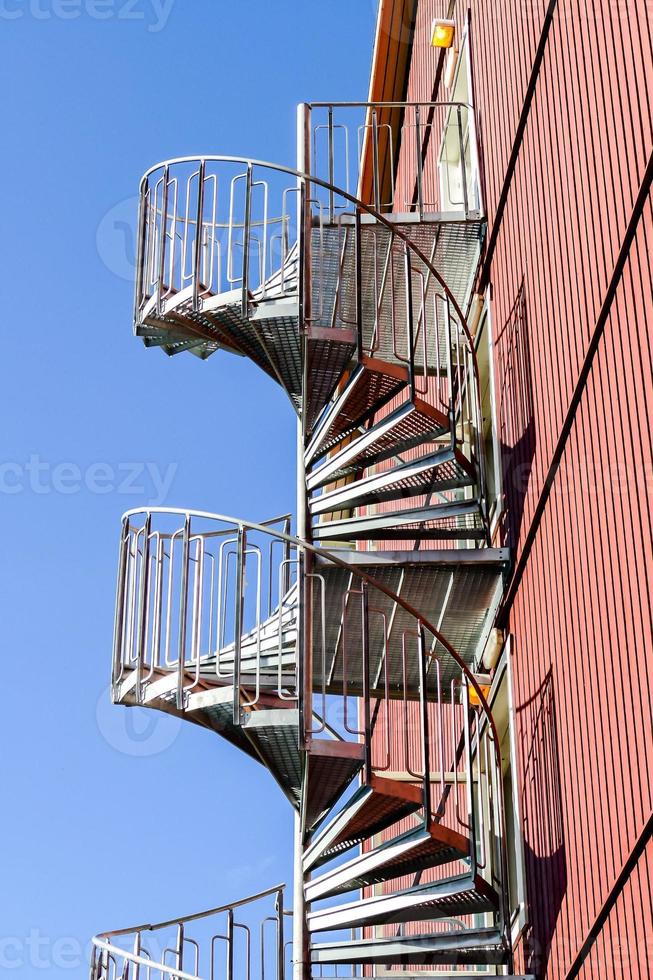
(453, 247)
(445, 470)
(412, 424)
(221, 721)
(313, 779)
(372, 808)
(328, 355)
(459, 588)
(275, 737)
(460, 895)
(454, 521)
(464, 947)
(413, 851)
(371, 385)
(328, 773)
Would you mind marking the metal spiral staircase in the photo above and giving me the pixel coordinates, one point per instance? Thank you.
(349, 674)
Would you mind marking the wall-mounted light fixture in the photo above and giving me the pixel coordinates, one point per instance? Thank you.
(442, 33)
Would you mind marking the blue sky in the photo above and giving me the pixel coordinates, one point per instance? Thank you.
(93, 424)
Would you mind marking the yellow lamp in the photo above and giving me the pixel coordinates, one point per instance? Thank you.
(484, 682)
(442, 33)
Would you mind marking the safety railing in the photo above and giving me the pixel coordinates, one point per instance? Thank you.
(216, 226)
(244, 938)
(251, 606)
(398, 157)
(205, 598)
(220, 229)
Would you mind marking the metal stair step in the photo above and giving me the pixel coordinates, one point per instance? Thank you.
(171, 348)
(372, 808)
(445, 470)
(179, 322)
(219, 718)
(331, 766)
(410, 425)
(323, 772)
(415, 850)
(454, 974)
(370, 386)
(461, 895)
(460, 946)
(450, 521)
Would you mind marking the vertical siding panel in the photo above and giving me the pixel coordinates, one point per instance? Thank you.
(581, 616)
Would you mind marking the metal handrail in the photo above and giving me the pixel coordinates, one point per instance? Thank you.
(304, 181)
(422, 624)
(101, 942)
(149, 927)
(384, 130)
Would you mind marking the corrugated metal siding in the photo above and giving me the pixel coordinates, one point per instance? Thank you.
(581, 616)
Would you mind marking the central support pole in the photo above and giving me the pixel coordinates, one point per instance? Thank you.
(301, 946)
(301, 950)
(301, 968)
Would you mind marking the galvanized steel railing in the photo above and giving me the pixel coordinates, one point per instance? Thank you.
(398, 157)
(235, 939)
(219, 230)
(211, 600)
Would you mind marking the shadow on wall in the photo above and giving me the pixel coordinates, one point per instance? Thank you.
(516, 415)
(541, 806)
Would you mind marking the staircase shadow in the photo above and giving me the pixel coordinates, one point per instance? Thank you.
(544, 840)
(516, 415)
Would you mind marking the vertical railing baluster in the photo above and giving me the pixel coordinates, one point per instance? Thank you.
(418, 162)
(93, 970)
(359, 283)
(424, 717)
(280, 943)
(410, 344)
(331, 166)
(238, 618)
(143, 600)
(199, 219)
(137, 952)
(244, 304)
(162, 239)
(305, 660)
(471, 810)
(119, 614)
(180, 946)
(463, 169)
(230, 945)
(183, 611)
(367, 717)
(450, 381)
(141, 246)
(375, 161)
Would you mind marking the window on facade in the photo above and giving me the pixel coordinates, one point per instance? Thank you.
(485, 357)
(501, 703)
(457, 162)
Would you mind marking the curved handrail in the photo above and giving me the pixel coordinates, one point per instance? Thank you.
(307, 548)
(102, 941)
(307, 178)
(302, 545)
(151, 926)
(325, 185)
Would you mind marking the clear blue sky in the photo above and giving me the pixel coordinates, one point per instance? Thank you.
(88, 105)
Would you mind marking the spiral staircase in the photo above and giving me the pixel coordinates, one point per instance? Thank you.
(351, 674)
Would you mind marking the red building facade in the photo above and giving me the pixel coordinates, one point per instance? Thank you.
(563, 295)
